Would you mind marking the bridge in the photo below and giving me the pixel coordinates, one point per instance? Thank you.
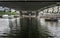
(30, 8)
(52, 11)
(50, 16)
(28, 27)
(27, 6)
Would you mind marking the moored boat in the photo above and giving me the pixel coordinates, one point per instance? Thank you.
(51, 19)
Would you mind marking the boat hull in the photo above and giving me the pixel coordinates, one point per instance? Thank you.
(51, 19)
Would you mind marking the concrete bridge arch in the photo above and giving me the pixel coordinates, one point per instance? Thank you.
(50, 11)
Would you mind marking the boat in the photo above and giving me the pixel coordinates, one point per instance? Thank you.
(51, 19)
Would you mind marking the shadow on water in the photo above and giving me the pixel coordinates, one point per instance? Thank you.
(29, 28)
(33, 28)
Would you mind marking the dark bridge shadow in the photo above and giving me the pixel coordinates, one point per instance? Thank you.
(29, 28)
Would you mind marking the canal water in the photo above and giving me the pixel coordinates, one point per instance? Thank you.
(29, 28)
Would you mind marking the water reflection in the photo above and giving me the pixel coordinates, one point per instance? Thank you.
(51, 28)
(29, 28)
(4, 26)
(9, 27)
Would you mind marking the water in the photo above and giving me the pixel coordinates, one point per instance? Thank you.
(4, 26)
(9, 28)
(29, 28)
(49, 29)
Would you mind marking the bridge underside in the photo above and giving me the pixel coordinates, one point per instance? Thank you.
(28, 6)
(29, 0)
